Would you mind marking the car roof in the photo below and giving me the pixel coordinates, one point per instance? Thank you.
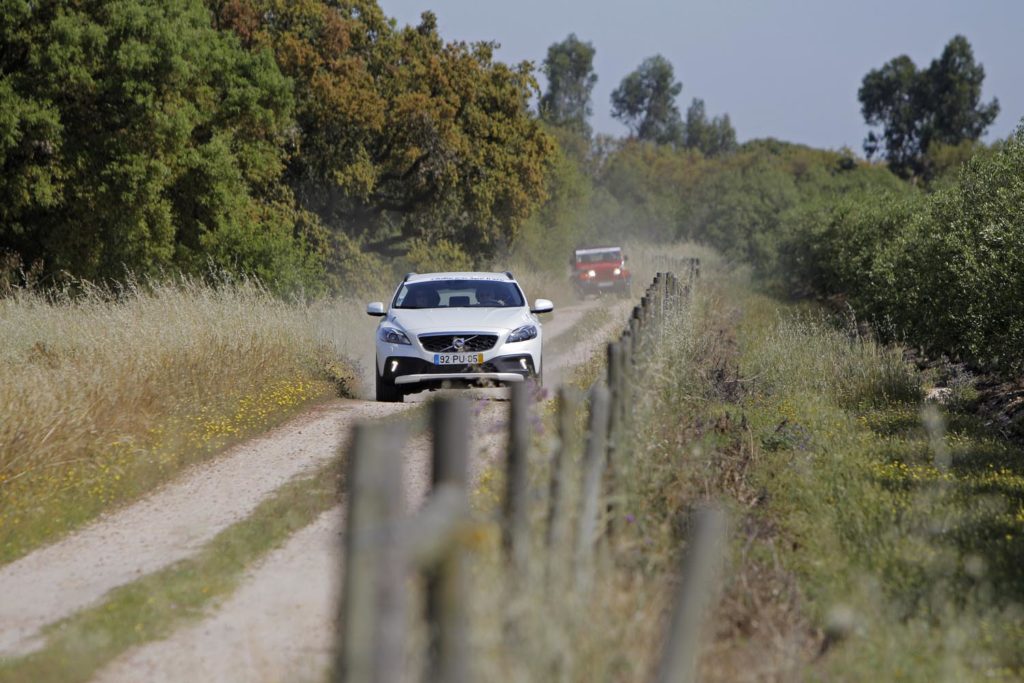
(458, 275)
(595, 250)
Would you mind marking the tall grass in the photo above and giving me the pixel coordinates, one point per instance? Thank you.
(109, 392)
(901, 520)
(545, 625)
(867, 542)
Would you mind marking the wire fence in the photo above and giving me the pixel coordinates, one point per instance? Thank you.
(383, 546)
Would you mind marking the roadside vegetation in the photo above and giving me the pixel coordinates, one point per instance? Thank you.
(901, 519)
(874, 535)
(110, 392)
(943, 271)
(152, 607)
(264, 168)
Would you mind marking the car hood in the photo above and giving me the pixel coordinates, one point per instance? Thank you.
(493, 320)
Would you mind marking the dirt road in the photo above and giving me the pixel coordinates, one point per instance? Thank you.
(294, 585)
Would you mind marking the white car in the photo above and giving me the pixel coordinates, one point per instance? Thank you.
(456, 329)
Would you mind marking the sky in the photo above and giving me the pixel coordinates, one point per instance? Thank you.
(788, 69)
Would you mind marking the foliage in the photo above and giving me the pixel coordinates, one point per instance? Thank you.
(439, 256)
(852, 508)
(644, 188)
(136, 136)
(569, 68)
(401, 136)
(547, 239)
(713, 137)
(114, 391)
(290, 141)
(646, 102)
(943, 271)
(740, 203)
(917, 108)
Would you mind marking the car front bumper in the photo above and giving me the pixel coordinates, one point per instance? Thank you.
(413, 373)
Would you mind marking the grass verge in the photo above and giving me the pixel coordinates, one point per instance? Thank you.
(873, 536)
(152, 607)
(904, 521)
(108, 394)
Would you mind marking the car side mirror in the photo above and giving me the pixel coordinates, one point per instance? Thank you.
(542, 306)
(376, 309)
(625, 258)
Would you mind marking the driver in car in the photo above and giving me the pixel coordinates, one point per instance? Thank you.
(421, 297)
(487, 295)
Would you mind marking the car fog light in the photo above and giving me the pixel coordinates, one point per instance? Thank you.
(522, 362)
(394, 365)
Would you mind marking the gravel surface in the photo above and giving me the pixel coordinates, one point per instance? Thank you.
(279, 624)
(168, 525)
(245, 639)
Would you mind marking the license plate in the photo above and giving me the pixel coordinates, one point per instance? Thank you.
(458, 358)
(605, 284)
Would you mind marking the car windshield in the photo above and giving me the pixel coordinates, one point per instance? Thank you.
(459, 294)
(602, 256)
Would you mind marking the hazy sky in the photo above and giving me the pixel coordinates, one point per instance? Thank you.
(783, 68)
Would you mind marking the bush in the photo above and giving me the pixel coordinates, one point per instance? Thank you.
(944, 271)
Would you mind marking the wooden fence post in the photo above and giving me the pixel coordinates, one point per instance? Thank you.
(628, 376)
(561, 468)
(446, 584)
(697, 592)
(613, 360)
(635, 332)
(593, 469)
(371, 647)
(516, 533)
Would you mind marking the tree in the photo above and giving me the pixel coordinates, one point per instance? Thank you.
(133, 135)
(569, 68)
(915, 108)
(401, 136)
(712, 137)
(646, 102)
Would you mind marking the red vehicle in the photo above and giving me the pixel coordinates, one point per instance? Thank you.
(599, 270)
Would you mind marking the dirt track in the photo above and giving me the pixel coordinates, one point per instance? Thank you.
(278, 624)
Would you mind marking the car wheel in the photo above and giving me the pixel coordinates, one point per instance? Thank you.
(388, 392)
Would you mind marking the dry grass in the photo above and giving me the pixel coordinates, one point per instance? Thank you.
(852, 555)
(108, 393)
(548, 626)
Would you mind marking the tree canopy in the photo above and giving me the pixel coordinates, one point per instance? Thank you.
(918, 108)
(134, 135)
(260, 136)
(712, 137)
(646, 102)
(569, 67)
(401, 136)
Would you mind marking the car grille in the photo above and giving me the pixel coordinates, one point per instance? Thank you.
(446, 342)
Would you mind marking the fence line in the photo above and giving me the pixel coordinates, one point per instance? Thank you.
(381, 548)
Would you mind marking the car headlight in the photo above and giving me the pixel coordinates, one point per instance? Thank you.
(591, 273)
(392, 336)
(521, 334)
(617, 271)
